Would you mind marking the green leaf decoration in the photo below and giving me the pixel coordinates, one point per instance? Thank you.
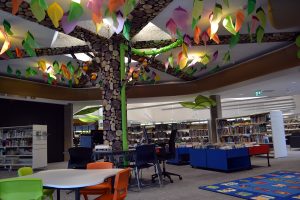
(226, 57)
(88, 110)
(31, 40)
(205, 59)
(70, 82)
(37, 10)
(56, 67)
(30, 72)
(50, 79)
(194, 23)
(197, 9)
(7, 27)
(251, 6)
(75, 11)
(228, 25)
(259, 34)
(70, 68)
(190, 105)
(10, 54)
(30, 51)
(9, 70)
(90, 118)
(201, 102)
(128, 7)
(261, 15)
(298, 41)
(18, 73)
(226, 2)
(234, 40)
(126, 30)
(171, 60)
(43, 4)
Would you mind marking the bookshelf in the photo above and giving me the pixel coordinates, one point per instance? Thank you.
(263, 128)
(23, 146)
(160, 133)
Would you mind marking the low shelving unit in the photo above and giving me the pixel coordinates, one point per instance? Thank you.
(23, 146)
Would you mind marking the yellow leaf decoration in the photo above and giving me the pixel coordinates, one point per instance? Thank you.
(184, 50)
(55, 13)
(42, 65)
(6, 44)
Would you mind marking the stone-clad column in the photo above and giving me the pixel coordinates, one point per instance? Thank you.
(109, 60)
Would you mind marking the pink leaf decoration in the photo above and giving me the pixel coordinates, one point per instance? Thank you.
(188, 40)
(215, 55)
(94, 5)
(254, 23)
(205, 37)
(67, 26)
(166, 65)
(121, 21)
(181, 17)
(171, 26)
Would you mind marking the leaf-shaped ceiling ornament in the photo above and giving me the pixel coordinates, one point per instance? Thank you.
(15, 6)
(201, 102)
(75, 11)
(6, 44)
(38, 10)
(88, 110)
(55, 13)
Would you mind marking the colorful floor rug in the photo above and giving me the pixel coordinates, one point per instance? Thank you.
(273, 186)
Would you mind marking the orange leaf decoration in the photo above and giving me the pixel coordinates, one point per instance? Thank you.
(97, 18)
(215, 37)
(15, 6)
(239, 20)
(197, 33)
(66, 73)
(19, 53)
(179, 57)
(114, 5)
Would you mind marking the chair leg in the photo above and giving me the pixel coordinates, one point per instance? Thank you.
(85, 196)
(158, 174)
(136, 171)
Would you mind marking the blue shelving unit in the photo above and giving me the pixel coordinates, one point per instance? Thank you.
(218, 159)
(182, 156)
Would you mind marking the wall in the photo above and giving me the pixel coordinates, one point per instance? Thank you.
(18, 113)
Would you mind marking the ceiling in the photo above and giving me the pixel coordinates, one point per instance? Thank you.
(156, 30)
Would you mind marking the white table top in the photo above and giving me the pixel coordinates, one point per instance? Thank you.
(73, 178)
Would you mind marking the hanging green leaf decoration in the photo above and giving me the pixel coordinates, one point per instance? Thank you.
(88, 110)
(18, 73)
(31, 40)
(75, 11)
(234, 40)
(9, 70)
(251, 6)
(261, 15)
(56, 67)
(50, 79)
(70, 68)
(30, 51)
(38, 10)
(90, 118)
(70, 82)
(10, 54)
(201, 102)
(43, 4)
(126, 30)
(228, 24)
(128, 7)
(226, 57)
(196, 13)
(259, 34)
(7, 27)
(298, 41)
(30, 72)
(226, 2)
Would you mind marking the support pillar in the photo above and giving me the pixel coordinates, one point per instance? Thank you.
(68, 129)
(109, 60)
(215, 112)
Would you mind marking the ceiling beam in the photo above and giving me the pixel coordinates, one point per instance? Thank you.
(78, 32)
(278, 60)
(224, 39)
(144, 12)
(11, 86)
(54, 51)
(158, 65)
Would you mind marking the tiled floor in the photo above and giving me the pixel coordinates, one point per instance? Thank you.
(187, 189)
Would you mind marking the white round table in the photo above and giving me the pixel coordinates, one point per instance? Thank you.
(73, 179)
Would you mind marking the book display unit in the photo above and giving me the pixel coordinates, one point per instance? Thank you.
(264, 128)
(23, 146)
(160, 133)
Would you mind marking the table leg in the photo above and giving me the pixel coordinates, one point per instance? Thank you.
(58, 194)
(77, 194)
(268, 156)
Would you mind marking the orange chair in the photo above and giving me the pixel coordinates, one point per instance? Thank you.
(103, 188)
(121, 186)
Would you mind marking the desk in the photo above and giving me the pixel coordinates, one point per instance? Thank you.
(72, 179)
(261, 149)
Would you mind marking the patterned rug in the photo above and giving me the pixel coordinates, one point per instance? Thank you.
(276, 185)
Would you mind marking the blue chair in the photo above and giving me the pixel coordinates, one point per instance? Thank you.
(145, 157)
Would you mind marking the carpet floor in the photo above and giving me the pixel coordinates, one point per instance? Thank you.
(192, 179)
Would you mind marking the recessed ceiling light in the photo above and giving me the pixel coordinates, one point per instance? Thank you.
(294, 82)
